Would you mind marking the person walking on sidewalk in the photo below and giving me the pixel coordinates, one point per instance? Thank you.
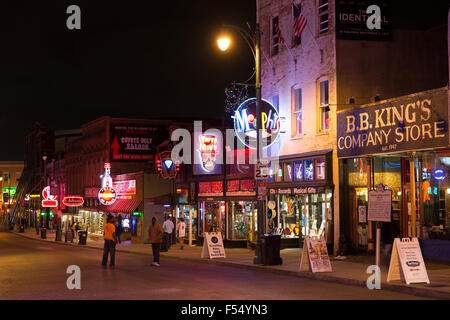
(110, 243)
(181, 230)
(119, 227)
(155, 234)
(167, 237)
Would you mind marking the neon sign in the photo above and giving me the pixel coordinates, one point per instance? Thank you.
(208, 147)
(73, 201)
(107, 194)
(439, 174)
(48, 200)
(245, 122)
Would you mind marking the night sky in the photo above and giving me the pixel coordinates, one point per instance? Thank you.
(133, 59)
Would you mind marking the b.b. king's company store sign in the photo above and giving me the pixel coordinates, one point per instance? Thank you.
(408, 123)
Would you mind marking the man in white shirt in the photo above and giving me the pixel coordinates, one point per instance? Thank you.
(181, 228)
(167, 236)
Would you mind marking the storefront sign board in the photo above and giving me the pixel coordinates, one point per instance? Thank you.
(407, 262)
(315, 255)
(413, 122)
(380, 205)
(213, 246)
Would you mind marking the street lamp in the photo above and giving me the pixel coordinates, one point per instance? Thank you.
(254, 45)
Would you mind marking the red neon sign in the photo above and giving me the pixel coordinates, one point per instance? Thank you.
(73, 201)
(107, 196)
(49, 201)
(208, 143)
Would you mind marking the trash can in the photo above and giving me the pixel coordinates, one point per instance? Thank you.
(68, 236)
(271, 249)
(82, 237)
(43, 233)
(21, 228)
(58, 234)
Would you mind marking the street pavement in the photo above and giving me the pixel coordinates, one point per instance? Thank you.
(31, 269)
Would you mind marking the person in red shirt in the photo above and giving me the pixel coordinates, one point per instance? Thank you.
(110, 243)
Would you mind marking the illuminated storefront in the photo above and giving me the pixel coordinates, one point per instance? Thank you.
(299, 198)
(404, 146)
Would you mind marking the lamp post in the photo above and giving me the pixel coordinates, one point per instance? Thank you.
(45, 184)
(224, 43)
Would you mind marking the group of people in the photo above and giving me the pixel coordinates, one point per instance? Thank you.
(159, 236)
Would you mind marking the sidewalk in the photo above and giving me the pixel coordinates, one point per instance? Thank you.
(351, 271)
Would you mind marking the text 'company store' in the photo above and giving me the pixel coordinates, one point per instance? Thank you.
(402, 143)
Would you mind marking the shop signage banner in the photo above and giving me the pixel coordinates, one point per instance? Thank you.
(352, 16)
(135, 143)
(125, 188)
(315, 255)
(210, 189)
(380, 204)
(407, 262)
(213, 246)
(414, 122)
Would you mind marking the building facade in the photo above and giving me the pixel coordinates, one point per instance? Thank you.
(336, 64)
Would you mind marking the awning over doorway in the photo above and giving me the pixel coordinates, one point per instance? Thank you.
(122, 206)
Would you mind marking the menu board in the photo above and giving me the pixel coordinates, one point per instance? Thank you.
(213, 246)
(407, 262)
(315, 255)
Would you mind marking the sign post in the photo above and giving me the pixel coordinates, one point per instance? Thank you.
(379, 209)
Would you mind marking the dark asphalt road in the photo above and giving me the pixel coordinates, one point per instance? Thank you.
(31, 269)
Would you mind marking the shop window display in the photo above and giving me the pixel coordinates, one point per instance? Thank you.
(320, 169)
(309, 170)
(241, 221)
(298, 168)
(213, 215)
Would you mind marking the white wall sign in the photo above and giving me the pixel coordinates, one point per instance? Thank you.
(362, 214)
(380, 204)
(213, 246)
(407, 262)
(315, 255)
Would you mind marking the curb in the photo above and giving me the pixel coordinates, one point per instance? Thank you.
(421, 292)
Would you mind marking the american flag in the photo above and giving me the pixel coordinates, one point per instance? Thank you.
(299, 22)
(280, 37)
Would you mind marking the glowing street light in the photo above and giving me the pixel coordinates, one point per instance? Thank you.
(224, 43)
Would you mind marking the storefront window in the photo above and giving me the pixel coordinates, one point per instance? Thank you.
(241, 221)
(213, 214)
(288, 172)
(309, 170)
(298, 168)
(320, 169)
(299, 215)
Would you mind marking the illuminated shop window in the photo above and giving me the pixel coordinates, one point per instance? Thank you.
(320, 169)
(298, 170)
(288, 172)
(309, 170)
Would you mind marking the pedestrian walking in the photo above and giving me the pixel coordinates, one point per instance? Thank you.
(119, 227)
(110, 243)
(167, 237)
(181, 230)
(155, 234)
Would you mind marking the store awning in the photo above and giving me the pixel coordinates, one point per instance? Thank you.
(122, 206)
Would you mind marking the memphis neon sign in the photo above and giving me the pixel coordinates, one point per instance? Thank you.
(245, 122)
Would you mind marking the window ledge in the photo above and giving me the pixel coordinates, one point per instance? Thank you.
(298, 137)
(322, 133)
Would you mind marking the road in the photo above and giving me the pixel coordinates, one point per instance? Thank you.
(31, 269)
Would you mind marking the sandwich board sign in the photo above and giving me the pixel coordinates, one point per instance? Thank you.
(315, 255)
(407, 262)
(213, 246)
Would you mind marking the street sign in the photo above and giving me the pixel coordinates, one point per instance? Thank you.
(261, 171)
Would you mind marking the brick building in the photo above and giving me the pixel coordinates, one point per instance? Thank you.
(336, 64)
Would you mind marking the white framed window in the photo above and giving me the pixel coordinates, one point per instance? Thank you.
(323, 16)
(324, 105)
(296, 114)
